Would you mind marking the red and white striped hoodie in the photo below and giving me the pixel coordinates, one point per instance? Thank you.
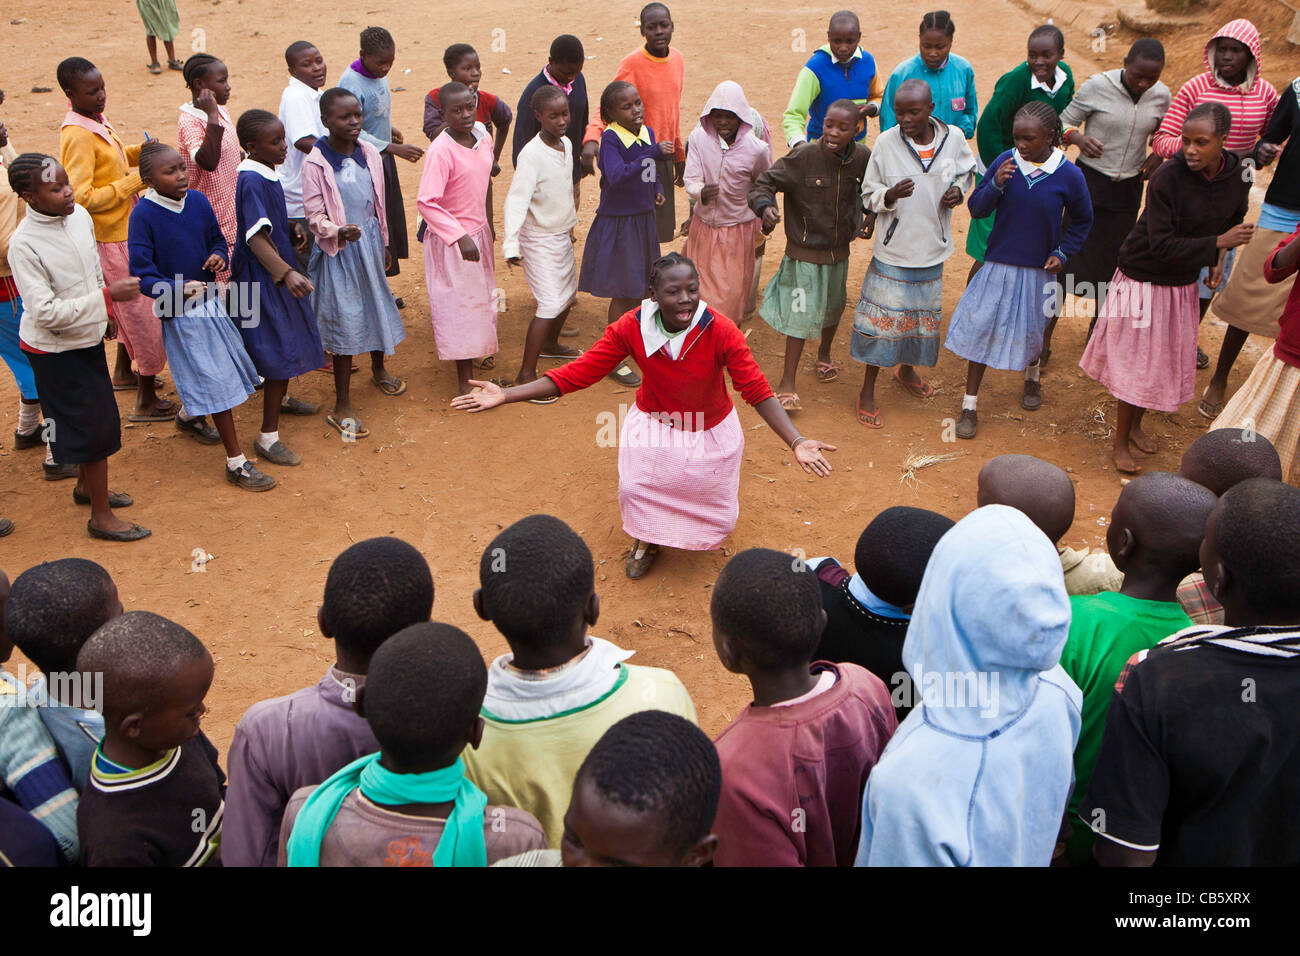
(1251, 104)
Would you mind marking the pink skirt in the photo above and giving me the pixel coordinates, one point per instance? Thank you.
(724, 256)
(462, 297)
(137, 327)
(679, 488)
(1144, 346)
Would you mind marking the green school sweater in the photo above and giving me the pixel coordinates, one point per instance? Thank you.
(993, 132)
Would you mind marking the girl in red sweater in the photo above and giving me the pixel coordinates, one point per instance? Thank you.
(681, 445)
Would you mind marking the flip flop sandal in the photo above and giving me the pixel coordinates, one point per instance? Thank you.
(789, 401)
(133, 533)
(116, 499)
(159, 415)
(828, 372)
(568, 333)
(502, 382)
(155, 67)
(566, 352)
(1209, 409)
(486, 364)
(923, 389)
(353, 433)
(176, 65)
(869, 419)
(549, 400)
(390, 388)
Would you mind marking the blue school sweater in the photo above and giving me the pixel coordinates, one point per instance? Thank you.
(835, 81)
(1028, 227)
(165, 245)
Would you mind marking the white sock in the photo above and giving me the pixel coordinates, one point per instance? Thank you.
(184, 416)
(49, 454)
(968, 402)
(1031, 372)
(267, 439)
(234, 463)
(29, 416)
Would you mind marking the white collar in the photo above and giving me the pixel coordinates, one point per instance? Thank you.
(175, 205)
(653, 337)
(316, 94)
(251, 165)
(199, 114)
(1049, 166)
(515, 696)
(1057, 80)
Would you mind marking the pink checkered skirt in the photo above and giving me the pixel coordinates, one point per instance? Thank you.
(679, 488)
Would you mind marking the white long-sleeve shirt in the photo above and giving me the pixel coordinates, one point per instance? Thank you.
(541, 193)
(55, 263)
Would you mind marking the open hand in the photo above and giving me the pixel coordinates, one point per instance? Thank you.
(110, 330)
(407, 151)
(486, 395)
(809, 455)
(468, 251)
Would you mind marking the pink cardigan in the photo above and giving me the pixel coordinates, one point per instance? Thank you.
(323, 204)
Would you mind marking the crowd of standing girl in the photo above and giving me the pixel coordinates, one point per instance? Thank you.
(263, 247)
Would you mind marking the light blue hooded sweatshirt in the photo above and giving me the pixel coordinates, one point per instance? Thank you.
(980, 772)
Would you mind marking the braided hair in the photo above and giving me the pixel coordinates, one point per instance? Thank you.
(939, 20)
(1216, 113)
(250, 125)
(150, 153)
(376, 40)
(1046, 117)
(664, 263)
(27, 170)
(197, 67)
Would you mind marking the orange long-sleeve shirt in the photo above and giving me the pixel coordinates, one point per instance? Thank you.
(660, 81)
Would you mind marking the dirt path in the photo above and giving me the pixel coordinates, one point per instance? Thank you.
(448, 482)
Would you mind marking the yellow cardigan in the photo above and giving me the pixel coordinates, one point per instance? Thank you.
(101, 181)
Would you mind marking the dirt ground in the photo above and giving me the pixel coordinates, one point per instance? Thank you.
(446, 481)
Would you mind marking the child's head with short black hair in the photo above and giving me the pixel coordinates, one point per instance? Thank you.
(656, 28)
(767, 613)
(458, 105)
(422, 697)
(1224, 457)
(374, 589)
(83, 85)
(1045, 48)
(567, 58)
(155, 675)
(646, 795)
(1251, 553)
(894, 549)
(537, 587)
(1038, 489)
(462, 64)
(1156, 528)
(55, 607)
(839, 125)
(843, 34)
(306, 63)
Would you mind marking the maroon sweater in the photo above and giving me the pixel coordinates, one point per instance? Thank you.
(792, 777)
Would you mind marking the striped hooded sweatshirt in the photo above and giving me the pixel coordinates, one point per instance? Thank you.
(1251, 104)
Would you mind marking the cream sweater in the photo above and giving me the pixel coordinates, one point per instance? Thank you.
(55, 263)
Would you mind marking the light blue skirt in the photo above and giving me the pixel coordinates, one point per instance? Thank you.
(211, 370)
(896, 321)
(353, 304)
(1002, 315)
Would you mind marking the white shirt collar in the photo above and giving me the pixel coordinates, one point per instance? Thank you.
(1057, 80)
(654, 338)
(512, 695)
(175, 205)
(199, 114)
(1032, 172)
(251, 165)
(295, 82)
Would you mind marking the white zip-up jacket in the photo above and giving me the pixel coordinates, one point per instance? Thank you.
(55, 263)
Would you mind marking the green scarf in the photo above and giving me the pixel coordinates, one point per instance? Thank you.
(462, 841)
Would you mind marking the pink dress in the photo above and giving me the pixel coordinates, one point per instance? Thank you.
(463, 297)
(219, 184)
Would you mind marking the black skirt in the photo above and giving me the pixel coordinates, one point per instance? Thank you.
(77, 400)
(1114, 213)
(395, 211)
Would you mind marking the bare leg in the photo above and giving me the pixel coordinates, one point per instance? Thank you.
(146, 396)
(1233, 340)
(464, 372)
(867, 397)
(1047, 337)
(171, 49)
(1124, 420)
(974, 376)
(555, 326)
(152, 43)
(793, 352)
(540, 333)
(92, 479)
(910, 375)
(342, 387)
(1140, 439)
(225, 425)
(828, 337)
(122, 374)
(272, 395)
(974, 268)
(618, 306)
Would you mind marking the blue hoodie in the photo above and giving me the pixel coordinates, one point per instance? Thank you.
(980, 772)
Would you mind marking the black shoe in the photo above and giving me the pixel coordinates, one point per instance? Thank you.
(296, 406)
(31, 440)
(58, 472)
(133, 533)
(199, 430)
(116, 499)
(399, 302)
(637, 567)
(1032, 399)
(277, 454)
(6, 526)
(625, 376)
(967, 423)
(249, 478)
(1202, 360)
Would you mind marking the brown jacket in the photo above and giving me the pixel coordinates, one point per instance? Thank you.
(823, 200)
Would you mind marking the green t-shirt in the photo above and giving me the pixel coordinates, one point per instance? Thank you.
(1106, 629)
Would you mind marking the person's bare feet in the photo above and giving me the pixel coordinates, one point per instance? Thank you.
(160, 406)
(1142, 441)
(1124, 461)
